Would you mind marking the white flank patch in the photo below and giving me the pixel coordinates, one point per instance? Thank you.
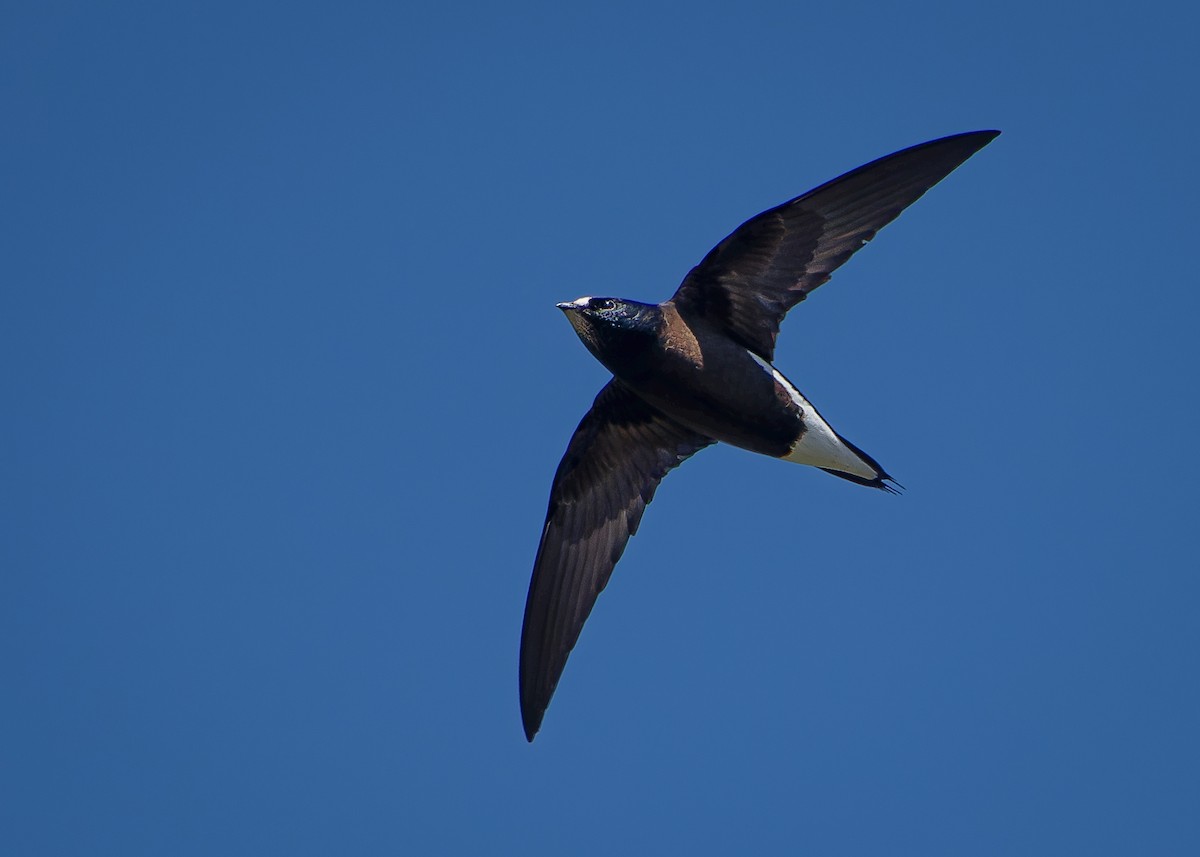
(819, 445)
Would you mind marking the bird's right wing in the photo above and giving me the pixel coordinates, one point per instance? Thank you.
(619, 453)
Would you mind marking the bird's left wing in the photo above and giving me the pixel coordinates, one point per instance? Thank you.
(619, 453)
(770, 263)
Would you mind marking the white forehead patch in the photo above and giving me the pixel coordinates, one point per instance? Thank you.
(582, 302)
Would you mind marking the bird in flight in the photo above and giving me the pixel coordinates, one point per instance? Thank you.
(697, 369)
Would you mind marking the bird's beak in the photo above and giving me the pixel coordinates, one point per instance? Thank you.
(573, 310)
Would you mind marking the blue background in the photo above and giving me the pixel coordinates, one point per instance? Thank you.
(284, 387)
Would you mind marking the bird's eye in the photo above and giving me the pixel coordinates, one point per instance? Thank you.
(602, 304)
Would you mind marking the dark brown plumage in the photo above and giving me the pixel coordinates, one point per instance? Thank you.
(615, 460)
(695, 370)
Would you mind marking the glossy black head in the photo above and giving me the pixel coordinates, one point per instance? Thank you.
(616, 331)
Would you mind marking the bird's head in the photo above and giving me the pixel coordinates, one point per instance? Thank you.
(613, 329)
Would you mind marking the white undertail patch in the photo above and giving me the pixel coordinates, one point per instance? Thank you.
(820, 445)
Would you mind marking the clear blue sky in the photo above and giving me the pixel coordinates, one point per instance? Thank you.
(284, 388)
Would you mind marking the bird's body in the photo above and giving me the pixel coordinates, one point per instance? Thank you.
(697, 375)
(695, 370)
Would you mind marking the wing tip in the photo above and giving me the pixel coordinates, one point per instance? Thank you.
(531, 721)
(976, 139)
(990, 133)
(963, 145)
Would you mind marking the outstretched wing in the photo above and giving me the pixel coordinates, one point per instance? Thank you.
(770, 263)
(619, 453)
